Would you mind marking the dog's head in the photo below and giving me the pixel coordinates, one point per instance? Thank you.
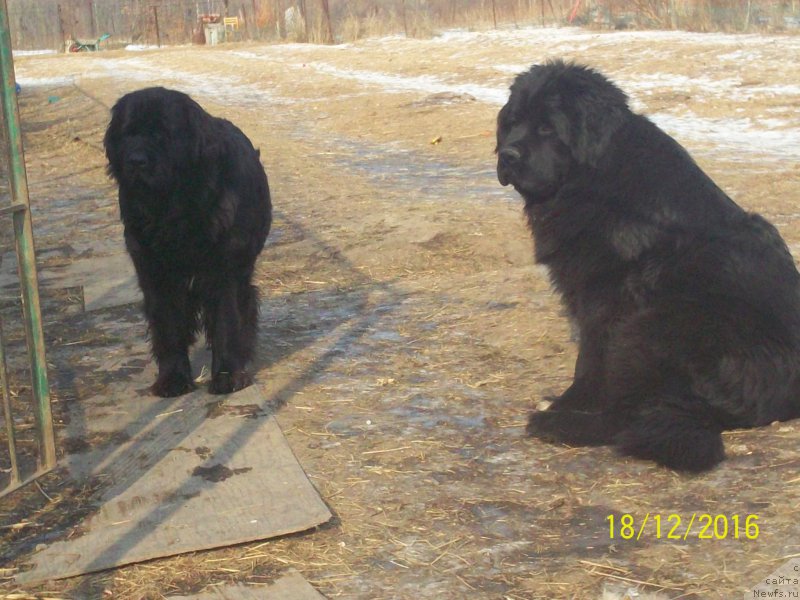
(154, 134)
(558, 116)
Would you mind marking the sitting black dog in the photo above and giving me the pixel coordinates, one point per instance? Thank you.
(195, 203)
(688, 307)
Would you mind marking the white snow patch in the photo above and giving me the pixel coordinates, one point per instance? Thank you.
(735, 136)
(423, 83)
(226, 89)
(24, 81)
(140, 47)
(778, 137)
(32, 52)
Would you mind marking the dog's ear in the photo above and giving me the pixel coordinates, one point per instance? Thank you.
(585, 125)
(502, 116)
(595, 125)
(199, 137)
(586, 110)
(191, 131)
(111, 139)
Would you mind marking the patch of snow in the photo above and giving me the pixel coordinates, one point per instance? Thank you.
(735, 136)
(32, 52)
(24, 81)
(777, 137)
(226, 89)
(422, 83)
(140, 47)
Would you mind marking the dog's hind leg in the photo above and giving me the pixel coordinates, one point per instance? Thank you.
(675, 432)
(248, 310)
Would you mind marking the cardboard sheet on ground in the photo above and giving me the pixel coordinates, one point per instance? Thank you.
(288, 587)
(176, 475)
(107, 280)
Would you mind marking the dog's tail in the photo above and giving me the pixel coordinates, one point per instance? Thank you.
(679, 433)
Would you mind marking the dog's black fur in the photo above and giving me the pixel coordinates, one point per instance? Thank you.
(688, 307)
(195, 203)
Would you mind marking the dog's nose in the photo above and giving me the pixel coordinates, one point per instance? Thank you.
(507, 160)
(137, 159)
(509, 157)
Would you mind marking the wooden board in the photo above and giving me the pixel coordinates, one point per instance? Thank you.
(781, 583)
(180, 474)
(107, 280)
(116, 289)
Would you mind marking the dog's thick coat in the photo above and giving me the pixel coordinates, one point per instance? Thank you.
(688, 307)
(195, 203)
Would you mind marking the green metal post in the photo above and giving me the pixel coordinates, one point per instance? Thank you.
(10, 434)
(26, 255)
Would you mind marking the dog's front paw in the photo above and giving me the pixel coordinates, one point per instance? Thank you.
(578, 397)
(546, 425)
(226, 383)
(576, 428)
(171, 384)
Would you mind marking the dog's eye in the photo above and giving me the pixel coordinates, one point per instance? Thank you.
(545, 130)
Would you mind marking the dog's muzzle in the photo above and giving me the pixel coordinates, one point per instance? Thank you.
(508, 160)
(137, 167)
(136, 161)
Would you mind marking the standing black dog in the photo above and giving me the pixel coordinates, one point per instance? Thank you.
(195, 203)
(688, 307)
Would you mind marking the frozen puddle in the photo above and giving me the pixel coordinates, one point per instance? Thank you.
(416, 175)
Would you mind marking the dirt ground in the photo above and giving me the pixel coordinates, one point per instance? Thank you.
(405, 331)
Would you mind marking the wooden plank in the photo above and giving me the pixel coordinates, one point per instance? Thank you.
(108, 280)
(184, 474)
(13, 208)
(117, 290)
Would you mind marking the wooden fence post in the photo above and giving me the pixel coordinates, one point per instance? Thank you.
(158, 31)
(326, 11)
